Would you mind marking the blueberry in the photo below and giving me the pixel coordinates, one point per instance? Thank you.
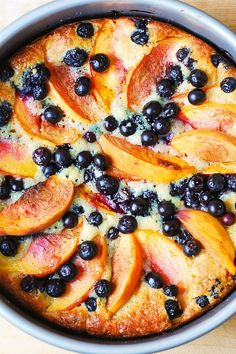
(62, 158)
(152, 109)
(205, 197)
(50, 170)
(202, 301)
(5, 113)
(95, 218)
(6, 72)
(83, 159)
(190, 63)
(178, 189)
(198, 78)
(149, 138)
(70, 220)
(53, 114)
(42, 156)
(127, 224)
(171, 290)
(4, 191)
(231, 180)
(100, 62)
(82, 86)
(101, 162)
(67, 271)
(173, 310)
(170, 110)
(174, 73)
(78, 209)
(39, 92)
(166, 208)
(140, 37)
(216, 207)
(103, 288)
(162, 125)
(110, 123)
(87, 250)
(112, 233)
(171, 227)
(182, 53)
(191, 200)
(216, 59)
(88, 176)
(196, 183)
(216, 182)
(91, 304)
(154, 280)
(75, 57)
(138, 206)
(228, 84)
(165, 88)
(228, 219)
(196, 96)
(192, 248)
(140, 23)
(127, 127)
(8, 246)
(16, 185)
(85, 30)
(107, 185)
(183, 237)
(90, 137)
(28, 284)
(55, 287)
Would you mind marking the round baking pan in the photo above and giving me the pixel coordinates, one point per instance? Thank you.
(40, 21)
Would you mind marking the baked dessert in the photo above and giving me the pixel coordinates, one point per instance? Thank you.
(118, 177)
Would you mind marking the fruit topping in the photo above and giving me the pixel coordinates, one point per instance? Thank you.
(192, 248)
(152, 110)
(166, 208)
(91, 304)
(228, 219)
(228, 84)
(139, 206)
(70, 220)
(90, 137)
(53, 114)
(28, 284)
(62, 157)
(83, 159)
(67, 271)
(202, 301)
(171, 227)
(216, 183)
(112, 233)
(8, 246)
(82, 86)
(42, 156)
(101, 162)
(55, 287)
(173, 310)
(85, 30)
(75, 57)
(161, 125)
(127, 224)
(103, 288)
(5, 113)
(100, 62)
(107, 185)
(88, 250)
(198, 78)
(182, 54)
(154, 280)
(127, 127)
(216, 207)
(95, 218)
(196, 96)
(6, 72)
(110, 123)
(171, 290)
(165, 88)
(170, 110)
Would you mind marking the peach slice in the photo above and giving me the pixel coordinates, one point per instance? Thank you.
(228, 167)
(165, 257)
(39, 207)
(143, 162)
(89, 272)
(126, 269)
(47, 252)
(15, 159)
(35, 125)
(208, 145)
(209, 231)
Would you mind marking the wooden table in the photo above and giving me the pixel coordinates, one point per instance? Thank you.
(220, 341)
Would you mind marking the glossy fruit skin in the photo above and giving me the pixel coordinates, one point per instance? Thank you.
(196, 183)
(170, 110)
(228, 84)
(192, 248)
(62, 158)
(103, 288)
(42, 156)
(166, 208)
(127, 224)
(50, 170)
(202, 301)
(85, 30)
(53, 114)
(67, 271)
(198, 78)
(228, 219)
(149, 138)
(173, 310)
(196, 96)
(127, 127)
(140, 37)
(95, 218)
(161, 126)
(165, 88)
(231, 181)
(107, 185)
(83, 159)
(191, 199)
(5, 113)
(216, 59)
(110, 123)
(6, 72)
(174, 73)
(34, 81)
(205, 197)
(75, 57)
(216, 207)
(183, 237)
(152, 109)
(171, 227)
(112, 233)
(88, 176)
(8, 246)
(16, 185)
(70, 220)
(91, 304)
(4, 191)
(90, 137)
(154, 280)
(101, 162)
(100, 62)
(216, 182)
(182, 53)
(87, 250)
(55, 287)
(171, 290)
(28, 284)
(138, 207)
(39, 92)
(82, 86)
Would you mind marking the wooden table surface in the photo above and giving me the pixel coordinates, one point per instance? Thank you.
(220, 341)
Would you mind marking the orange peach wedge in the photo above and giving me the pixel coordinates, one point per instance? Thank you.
(212, 235)
(208, 145)
(126, 269)
(142, 162)
(89, 272)
(39, 207)
(227, 167)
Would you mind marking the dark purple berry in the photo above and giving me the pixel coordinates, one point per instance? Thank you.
(42, 156)
(87, 250)
(82, 86)
(191, 248)
(91, 304)
(85, 30)
(100, 62)
(90, 137)
(55, 287)
(95, 218)
(216, 207)
(228, 84)
(103, 288)
(198, 78)
(149, 138)
(165, 88)
(75, 57)
(196, 96)
(127, 224)
(182, 53)
(173, 310)
(67, 271)
(70, 220)
(154, 280)
(110, 123)
(112, 233)
(202, 301)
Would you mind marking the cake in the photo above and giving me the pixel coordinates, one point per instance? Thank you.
(118, 177)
